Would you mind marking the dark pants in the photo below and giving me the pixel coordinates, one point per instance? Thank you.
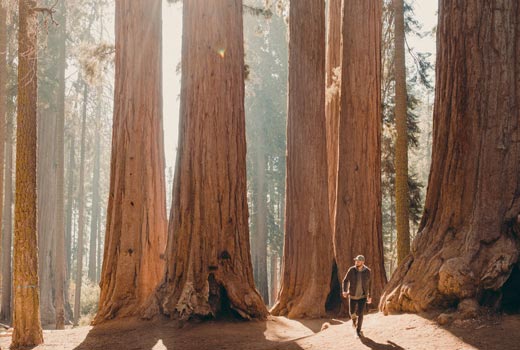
(357, 307)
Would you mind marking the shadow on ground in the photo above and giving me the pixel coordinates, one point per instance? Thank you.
(165, 334)
(371, 344)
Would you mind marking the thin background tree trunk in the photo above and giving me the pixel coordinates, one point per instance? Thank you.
(7, 237)
(3, 101)
(70, 206)
(402, 199)
(261, 219)
(92, 260)
(81, 214)
(5, 313)
(46, 211)
(60, 260)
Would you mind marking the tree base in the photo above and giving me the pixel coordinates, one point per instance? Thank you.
(224, 296)
(446, 276)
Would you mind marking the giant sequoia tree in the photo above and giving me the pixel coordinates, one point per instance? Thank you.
(209, 269)
(26, 322)
(308, 254)
(467, 247)
(136, 222)
(358, 205)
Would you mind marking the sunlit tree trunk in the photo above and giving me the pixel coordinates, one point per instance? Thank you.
(467, 249)
(308, 255)
(358, 207)
(26, 321)
(135, 239)
(333, 96)
(209, 271)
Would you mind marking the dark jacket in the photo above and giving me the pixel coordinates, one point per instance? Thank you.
(350, 281)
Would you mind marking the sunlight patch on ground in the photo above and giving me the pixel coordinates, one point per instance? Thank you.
(282, 329)
(159, 345)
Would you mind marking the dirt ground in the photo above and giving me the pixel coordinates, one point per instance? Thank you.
(380, 333)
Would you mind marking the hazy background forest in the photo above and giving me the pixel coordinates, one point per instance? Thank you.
(88, 130)
(171, 168)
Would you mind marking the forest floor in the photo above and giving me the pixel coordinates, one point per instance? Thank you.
(392, 332)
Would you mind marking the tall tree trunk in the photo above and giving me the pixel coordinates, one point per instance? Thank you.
(60, 260)
(27, 327)
(333, 96)
(5, 309)
(95, 203)
(70, 205)
(261, 220)
(135, 239)
(81, 213)
(467, 247)
(209, 271)
(308, 255)
(46, 212)
(274, 277)
(402, 199)
(3, 102)
(99, 249)
(358, 212)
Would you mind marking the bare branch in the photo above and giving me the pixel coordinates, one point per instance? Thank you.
(49, 11)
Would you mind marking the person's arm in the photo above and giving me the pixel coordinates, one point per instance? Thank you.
(346, 284)
(369, 296)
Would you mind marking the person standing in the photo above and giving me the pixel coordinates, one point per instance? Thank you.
(357, 286)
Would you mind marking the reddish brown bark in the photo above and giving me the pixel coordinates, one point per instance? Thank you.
(135, 239)
(308, 254)
(209, 271)
(26, 322)
(358, 227)
(467, 246)
(333, 96)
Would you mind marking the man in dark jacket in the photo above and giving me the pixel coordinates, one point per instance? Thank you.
(357, 286)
